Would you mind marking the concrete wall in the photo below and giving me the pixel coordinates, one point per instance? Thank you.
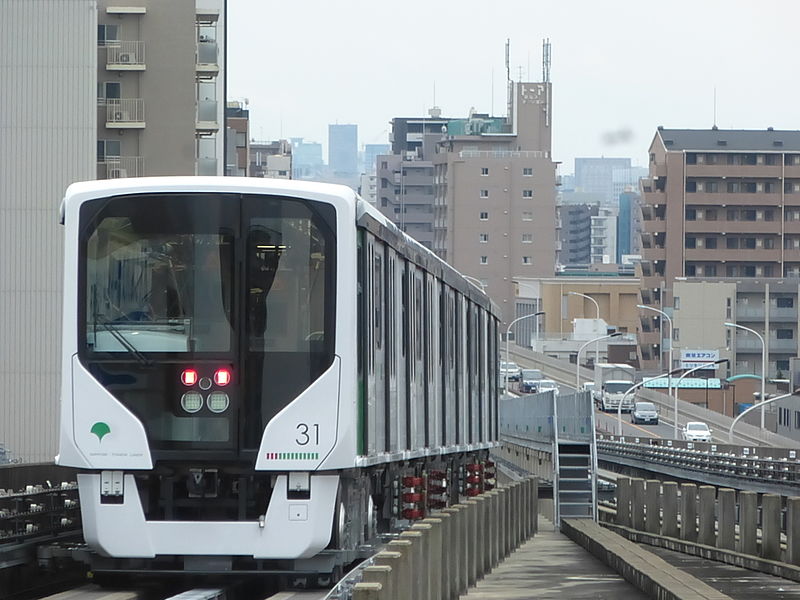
(47, 141)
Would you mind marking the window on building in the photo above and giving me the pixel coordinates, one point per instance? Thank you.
(691, 158)
(676, 334)
(484, 216)
(527, 193)
(731, 271)
(749, 243)
(484, 193)
(108, 149)
(384, 164)
(527, 238)
(733, 187)
(711, 243)
(797, 419)
(691, 186)
(784, 334)
(711, 186)
(769, 214)
(107, 34)
(749, 271)
(527, 171)
(750, 188)
(770, 187)
(711, 214)
(748, 214)
(527, 215)
(782, 364)
(710, 270)
(109, 89)
(784, 302)
(732, 214)
(483, 238)
(691, 242)
(484, 171)
(691, 214)
(768, 272)
(731, 243)
(527, 260)
(691, 270)
(484, 260)
(769, 243)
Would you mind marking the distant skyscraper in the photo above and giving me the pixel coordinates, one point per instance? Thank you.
(343, 149)
(371, 151)
(628, 225)
(306, 159)
(597, 175)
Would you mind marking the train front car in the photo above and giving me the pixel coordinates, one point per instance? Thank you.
(205, 398)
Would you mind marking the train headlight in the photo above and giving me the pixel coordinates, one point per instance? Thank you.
(191, 402)
(218, 402)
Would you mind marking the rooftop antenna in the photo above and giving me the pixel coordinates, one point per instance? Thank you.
(546, 60)
(508, 52)
(715, 108)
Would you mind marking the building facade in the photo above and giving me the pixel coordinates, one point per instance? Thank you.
(717, 203)
(48, 134)
(271, 159)
(160, 88)
(494, 216)
(343, 150)
(575, 233)
(237, 140)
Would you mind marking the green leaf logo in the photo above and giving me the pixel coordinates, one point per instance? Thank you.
(100, 429)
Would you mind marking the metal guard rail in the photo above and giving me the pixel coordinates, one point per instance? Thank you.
(777, 466)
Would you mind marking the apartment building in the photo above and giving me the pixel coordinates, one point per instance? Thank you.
(604, 235)
(575, 233)
(160, 88)
(271, 159)
(703, 305)
(716, 203)
(237, 140)
(404, 193)
(494, 211)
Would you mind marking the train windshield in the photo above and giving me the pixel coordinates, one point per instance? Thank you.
(152, 288)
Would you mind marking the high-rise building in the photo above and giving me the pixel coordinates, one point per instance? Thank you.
(343, 150)
(629, 225)
(48, 137)
(237, 140)
(307, 160)
(604, 235)
(160, 88)
(371, 153)
(575, 233)
(495, 216)
(717, 203)
(602, 176)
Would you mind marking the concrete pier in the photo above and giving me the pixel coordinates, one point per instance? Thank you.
(689, 512)
(707, 521)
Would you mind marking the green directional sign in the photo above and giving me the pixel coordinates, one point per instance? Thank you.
(100, 429)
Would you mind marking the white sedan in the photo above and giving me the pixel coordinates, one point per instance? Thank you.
(696, 431)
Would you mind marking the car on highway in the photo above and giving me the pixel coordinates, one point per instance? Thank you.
(548, 385)
(510, 369)
(529, 380)
(644, 412)
(696, 431)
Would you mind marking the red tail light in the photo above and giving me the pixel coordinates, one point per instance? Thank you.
(222, 377)
(189, 377)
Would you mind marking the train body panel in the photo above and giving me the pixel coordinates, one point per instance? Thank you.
(257, 366)
(122, 530)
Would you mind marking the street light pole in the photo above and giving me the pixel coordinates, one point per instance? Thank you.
(678, 385)
(578, 359)
(508, 335)
(633, 388)
(669, 320)
(597, 309)
(750, 408)
(763, 366)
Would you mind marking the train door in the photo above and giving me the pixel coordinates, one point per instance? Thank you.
(462, 375)
(395, 410)
(417, 364)
(433, 362)
(448, 333)
(376, 366)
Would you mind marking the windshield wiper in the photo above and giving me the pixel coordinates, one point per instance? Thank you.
(130, 348)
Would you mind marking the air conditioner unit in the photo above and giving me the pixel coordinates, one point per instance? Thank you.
(125, 57)
(121, 115)
(117, 173)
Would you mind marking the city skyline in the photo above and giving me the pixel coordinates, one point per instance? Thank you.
(619, 69)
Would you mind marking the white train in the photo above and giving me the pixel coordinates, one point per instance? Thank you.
(259, 371)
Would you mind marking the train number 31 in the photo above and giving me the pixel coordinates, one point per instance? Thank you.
(303, 435)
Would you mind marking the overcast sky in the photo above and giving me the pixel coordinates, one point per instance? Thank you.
(619, 68)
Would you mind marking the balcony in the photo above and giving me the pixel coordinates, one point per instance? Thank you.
(734, 171)
(733, 199)
(782, 346)
(117, 167)
(125, 113)
(750, 227)
(125, 56)
(207, 59)
(207, 119)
